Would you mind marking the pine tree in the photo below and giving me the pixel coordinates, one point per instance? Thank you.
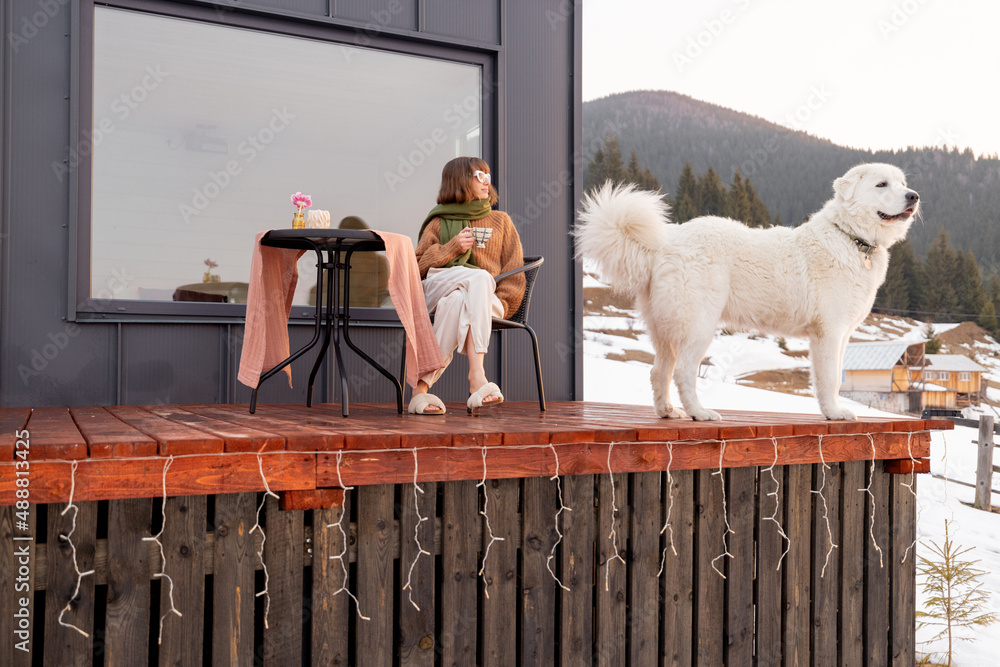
(933, 343)
(614, 166)
(993, 297)
(956, 598)
(641, 176)
(940, 268)
(596, 170)
(894, 294)
(988, 318)
(759, 215)
(737, 200)
(607, 165)
(903, 288)
(915, 274)
(969, 284)
(712, 194)
(686, 197)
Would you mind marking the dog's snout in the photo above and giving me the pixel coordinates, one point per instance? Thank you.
(912, 197)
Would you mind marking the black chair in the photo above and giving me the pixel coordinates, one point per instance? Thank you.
(518, 319)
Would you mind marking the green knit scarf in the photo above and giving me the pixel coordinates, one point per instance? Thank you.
(454, 218)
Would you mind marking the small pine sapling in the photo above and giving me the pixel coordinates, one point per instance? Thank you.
(933, 344)
(956, 598)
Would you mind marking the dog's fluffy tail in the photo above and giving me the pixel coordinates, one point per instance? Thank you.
(623, 230)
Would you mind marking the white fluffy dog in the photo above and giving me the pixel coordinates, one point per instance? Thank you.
(817, 280)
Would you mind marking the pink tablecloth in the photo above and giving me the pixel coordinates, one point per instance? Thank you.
(273, 276)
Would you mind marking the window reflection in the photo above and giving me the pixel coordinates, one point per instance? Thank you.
(203, 132)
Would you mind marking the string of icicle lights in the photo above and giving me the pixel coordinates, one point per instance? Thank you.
(769, 491)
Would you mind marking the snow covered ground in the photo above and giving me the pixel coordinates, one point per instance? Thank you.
(952, 453)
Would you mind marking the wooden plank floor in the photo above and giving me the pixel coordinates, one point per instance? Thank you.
(123, 451)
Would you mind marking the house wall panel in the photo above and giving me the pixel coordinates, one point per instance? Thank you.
(180, 363)
(534, 102)
(538, 122)
(44, 360)
(895, 402)
(311, 7)
(477, 20)
(377, 16)
(939, 399)
(867, 381)
(900, 378)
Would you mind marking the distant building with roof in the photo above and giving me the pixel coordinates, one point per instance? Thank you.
(897, 376)
(955, 374)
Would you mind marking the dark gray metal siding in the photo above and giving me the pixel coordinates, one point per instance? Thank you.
(46, 360)
(401, 14)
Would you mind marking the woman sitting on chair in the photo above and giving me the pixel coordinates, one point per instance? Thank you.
(458, 277)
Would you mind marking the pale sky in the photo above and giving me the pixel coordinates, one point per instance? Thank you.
(862, 73)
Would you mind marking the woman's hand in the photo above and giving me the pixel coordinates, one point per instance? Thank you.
(465, 239)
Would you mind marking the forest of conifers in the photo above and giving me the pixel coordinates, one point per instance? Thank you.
(712, 160)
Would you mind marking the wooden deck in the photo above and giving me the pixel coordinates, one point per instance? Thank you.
(101, 453)
(588, 534)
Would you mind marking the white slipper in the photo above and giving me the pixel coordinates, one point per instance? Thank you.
(420, 402)
(486, 391)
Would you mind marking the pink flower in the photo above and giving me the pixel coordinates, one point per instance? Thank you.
(210, 264)
(301, 201)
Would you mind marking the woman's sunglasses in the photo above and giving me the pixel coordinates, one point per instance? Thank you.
(482, 177)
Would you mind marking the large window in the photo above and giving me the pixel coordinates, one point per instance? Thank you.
(202, 132)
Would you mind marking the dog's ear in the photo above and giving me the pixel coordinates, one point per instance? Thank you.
(845, 185)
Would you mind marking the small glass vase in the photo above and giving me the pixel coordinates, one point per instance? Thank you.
(299, 221)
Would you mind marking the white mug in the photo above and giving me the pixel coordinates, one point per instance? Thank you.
(318, 219)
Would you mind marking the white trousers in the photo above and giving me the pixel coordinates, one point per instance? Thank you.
(463, 303)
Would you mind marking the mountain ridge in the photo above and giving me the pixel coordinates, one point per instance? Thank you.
(792, 170)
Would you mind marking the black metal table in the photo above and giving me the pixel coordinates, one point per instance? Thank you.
(333, 248)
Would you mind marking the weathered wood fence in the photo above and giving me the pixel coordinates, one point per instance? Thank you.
(818, 559)
(984, 460)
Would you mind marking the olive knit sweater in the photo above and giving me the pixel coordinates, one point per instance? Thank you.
(502, 253)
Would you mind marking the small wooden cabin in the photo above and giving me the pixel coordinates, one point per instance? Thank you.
(899, 377)
(960, 377)
(882, 374)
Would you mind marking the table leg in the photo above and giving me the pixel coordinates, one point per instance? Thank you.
(330, 294)
(345, 322)
(316, 333)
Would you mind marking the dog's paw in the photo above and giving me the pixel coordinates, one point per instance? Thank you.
(704, 415)
(839, 414)
(670, 412)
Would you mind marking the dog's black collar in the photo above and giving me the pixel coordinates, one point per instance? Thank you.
(864, 247)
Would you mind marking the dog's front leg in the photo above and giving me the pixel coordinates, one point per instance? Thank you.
(827, 352)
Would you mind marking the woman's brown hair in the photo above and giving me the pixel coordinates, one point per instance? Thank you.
(456, 187)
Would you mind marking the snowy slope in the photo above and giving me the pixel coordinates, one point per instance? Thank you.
(953, 455)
